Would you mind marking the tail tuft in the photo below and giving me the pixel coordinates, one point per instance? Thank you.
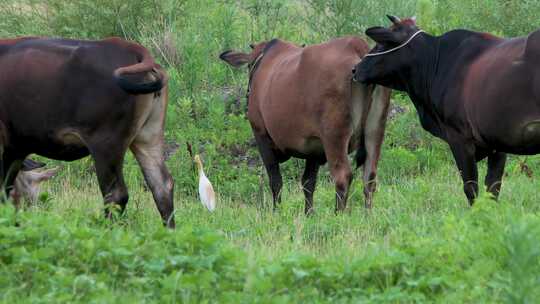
(360, 157)
(30, 164)
(361, 152)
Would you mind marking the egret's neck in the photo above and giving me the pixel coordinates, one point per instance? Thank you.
(200, 167)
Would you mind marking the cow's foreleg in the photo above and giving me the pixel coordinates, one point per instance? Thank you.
(495, 171)
(464, 155)
(12, 167)
(109, 167)
(309, 180)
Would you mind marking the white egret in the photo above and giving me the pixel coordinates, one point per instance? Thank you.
(206, 191)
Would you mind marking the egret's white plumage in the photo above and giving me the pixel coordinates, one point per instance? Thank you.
(206, 191)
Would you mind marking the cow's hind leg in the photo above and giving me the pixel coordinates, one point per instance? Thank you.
(149, 154)
(109, 164)
(147, 146)
(271, 160)
(496, 163)
(309, 180)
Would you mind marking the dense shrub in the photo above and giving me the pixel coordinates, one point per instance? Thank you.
(492, 254)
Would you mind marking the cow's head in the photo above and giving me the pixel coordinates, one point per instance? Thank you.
(392, 53)
(238, 59)
(28, 183)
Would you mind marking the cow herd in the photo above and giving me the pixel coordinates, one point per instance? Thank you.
(67, 99)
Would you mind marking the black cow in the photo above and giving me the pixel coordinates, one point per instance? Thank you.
(66, 99)
(478, 92)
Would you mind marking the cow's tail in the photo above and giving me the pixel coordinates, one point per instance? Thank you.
(30, 164)
(144, 77)
(361, 152)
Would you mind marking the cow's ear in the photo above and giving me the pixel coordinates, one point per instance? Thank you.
(30, 164)
(41, 176)
(236, 59)
(382, 35)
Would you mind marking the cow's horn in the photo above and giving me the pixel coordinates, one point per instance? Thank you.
(394, 19)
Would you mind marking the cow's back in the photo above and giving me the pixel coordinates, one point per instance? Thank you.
(50, 86)
(300, 89)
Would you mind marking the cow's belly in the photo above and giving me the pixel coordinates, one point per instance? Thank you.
(298, 146)
(300, 135)
(310, 147)
(64, 152)
(66, 145)
(510, 125)
(306, 146)
(516, 137)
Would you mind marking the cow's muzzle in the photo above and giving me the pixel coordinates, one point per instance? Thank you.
(355, 75)
(358, 75)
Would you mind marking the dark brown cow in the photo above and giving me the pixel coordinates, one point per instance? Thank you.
(66, 99)
(479, 93)
(302, 103)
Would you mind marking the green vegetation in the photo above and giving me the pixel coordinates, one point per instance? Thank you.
(420, 243)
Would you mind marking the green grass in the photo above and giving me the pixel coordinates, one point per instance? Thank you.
(420, 243)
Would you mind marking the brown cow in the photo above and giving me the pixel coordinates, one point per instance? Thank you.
(66, 99)
(302, 103)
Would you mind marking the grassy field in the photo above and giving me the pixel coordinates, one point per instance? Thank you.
(420, 243)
